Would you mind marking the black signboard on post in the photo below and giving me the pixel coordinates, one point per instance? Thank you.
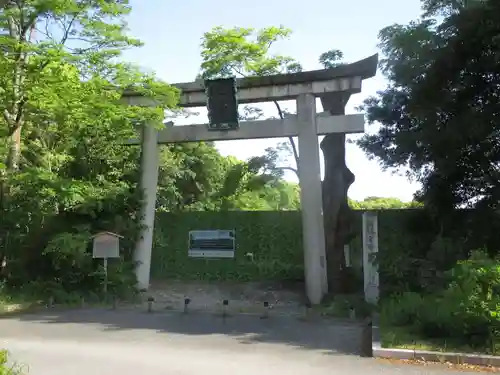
(222, 104)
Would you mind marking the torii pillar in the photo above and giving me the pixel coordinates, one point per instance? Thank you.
(307, 125)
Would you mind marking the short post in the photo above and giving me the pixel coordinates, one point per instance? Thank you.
(307, 313)
(225, 304)
(266, 310)
(151, 301)
(352, 313)
(105, 286)
(367, 338)
(114, 303)
(82, 302)
(51, 302)
(186, 304)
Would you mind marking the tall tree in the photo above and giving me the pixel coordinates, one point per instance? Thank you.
(336, 183)
(439, 114)
(63, 130)
(38, 33)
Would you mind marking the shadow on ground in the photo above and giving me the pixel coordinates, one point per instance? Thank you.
(333, 337)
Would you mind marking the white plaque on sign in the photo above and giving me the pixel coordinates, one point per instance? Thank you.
(370, 250)
(106, 245)
(211, 244)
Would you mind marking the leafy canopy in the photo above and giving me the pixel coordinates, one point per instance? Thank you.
(439, 114)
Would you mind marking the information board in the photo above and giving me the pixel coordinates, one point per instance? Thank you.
(106, 245)
(211, 243)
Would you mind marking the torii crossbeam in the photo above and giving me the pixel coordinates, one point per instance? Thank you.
(304, 87)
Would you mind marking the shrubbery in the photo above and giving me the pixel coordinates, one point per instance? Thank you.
(5, 368)
(466, 311)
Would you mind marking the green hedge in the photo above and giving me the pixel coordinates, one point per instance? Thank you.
(274, 239)
(411, 249)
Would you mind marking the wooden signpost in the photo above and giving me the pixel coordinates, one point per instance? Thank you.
(106, 245)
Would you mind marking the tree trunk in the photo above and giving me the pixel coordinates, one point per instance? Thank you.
(20, 30)
(14, 156)
(336, 212)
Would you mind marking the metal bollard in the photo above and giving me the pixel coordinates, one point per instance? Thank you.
(352, 313)
(266, 310)
(186, 304)
(367, 338)
(225, 304)
(308, 306)
(50, 304)
(151, 301)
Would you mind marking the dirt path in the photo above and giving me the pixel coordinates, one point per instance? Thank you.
(283, 298)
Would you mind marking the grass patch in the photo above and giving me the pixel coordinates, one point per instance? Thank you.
(404, 338)
(19, 301)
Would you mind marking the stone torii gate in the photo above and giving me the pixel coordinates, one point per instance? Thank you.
(307, 125)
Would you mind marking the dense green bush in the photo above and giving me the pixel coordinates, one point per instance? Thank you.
(5, 368)
(49, 247)
(268, 246)
(466, 310)
(415, 249)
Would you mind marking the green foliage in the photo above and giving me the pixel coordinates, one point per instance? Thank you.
(268, 246)
(72, 175)
(278, 235)
(447, 7)
(443, 76)
(465, 311)
(276, 160)
(378, 203)
(5, 367)
(66, 171)
(244, 52)
(416, 250)
(195, 177)
(331, 59)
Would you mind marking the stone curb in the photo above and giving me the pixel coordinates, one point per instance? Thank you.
(431, 356)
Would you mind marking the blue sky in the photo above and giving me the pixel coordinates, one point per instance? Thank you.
(171, 31)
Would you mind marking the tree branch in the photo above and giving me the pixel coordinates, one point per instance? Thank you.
(292, 141)
(289, 169)
(67, 29)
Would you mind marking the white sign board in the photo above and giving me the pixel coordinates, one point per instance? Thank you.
(370, 250)
(211, 244)
(106, 245)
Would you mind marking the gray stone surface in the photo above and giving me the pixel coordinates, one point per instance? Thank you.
(132, 342)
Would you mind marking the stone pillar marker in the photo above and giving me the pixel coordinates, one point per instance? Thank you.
(370, 251)
(307, 125)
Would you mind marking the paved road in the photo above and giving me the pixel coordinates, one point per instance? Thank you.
(130, 342)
